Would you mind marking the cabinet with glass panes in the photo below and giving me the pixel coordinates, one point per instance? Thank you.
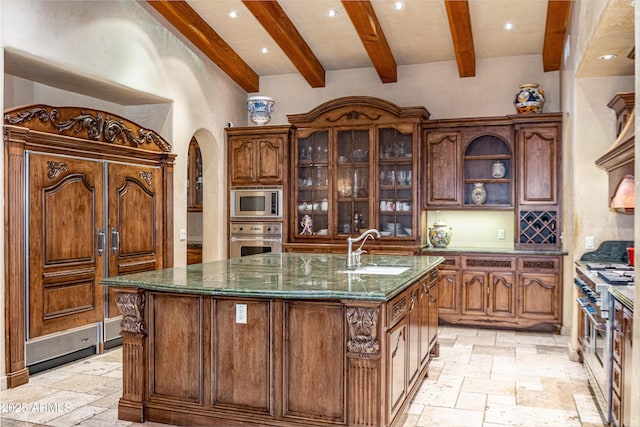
(355, 165)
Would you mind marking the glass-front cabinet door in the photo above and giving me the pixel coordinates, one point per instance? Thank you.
(352, 181)
(395, 183)
(312, 189)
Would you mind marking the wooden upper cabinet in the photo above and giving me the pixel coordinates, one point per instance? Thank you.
(539, 161)
(460, 155)
(355, 166)
(442, 178)
(257, 155)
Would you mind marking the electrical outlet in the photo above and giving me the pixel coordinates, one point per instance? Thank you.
(241, 313)
(183, 234)
(501, 233)
(589, 242)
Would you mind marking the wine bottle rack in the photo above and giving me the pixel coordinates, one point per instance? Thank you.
(538, 228)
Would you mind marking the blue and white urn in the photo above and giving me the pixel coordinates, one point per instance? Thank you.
(260, 108)
(530, 99)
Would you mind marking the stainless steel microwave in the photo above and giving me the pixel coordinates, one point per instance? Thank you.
(256, 202)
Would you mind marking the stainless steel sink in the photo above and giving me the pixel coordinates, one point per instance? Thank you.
(385, 270)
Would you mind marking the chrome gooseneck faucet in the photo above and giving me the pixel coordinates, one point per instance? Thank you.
(353, 257)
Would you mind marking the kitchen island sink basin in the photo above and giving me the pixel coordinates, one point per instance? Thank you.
(387, 270)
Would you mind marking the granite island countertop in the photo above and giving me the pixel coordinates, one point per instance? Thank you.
(284, 275)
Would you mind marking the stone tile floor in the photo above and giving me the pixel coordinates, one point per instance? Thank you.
(483, 378)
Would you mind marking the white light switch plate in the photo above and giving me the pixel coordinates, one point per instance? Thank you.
(183, 234)
(501, 233)
(241, 313)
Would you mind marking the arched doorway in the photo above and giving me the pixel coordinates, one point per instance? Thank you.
(194, 203)
(209, 221)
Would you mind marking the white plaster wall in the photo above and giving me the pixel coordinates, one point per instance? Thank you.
(435, 86)
(119, 41)
(122, 42)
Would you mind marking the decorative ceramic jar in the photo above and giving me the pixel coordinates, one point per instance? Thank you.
(498, 170)
(479, 193)
(530, 99)
(260, 108)
(440, 235)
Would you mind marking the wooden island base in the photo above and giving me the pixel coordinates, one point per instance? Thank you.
(208, 360)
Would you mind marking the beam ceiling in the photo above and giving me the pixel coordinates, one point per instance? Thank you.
(462, 36)
(369, 30)
(276, 22)
(197, 31)
(558, 13)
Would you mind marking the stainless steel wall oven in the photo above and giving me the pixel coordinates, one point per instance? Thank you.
(250, 238)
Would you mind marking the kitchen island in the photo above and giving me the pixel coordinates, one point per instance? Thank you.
(277, 339)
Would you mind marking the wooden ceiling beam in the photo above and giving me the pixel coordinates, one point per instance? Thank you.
(368, 27)
(276, 22)
(197, 31)
(462, 36)
(558, 13)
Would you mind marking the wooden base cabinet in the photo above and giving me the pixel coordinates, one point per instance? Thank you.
(621, 349)
(515, 292)
(189, 361)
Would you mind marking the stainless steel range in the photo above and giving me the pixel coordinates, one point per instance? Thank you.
(593, 280)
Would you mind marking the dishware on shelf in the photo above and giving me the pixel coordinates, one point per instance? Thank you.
(402, 177)
(498, 169)
(323, 232)
(394, 228)
(478, 193)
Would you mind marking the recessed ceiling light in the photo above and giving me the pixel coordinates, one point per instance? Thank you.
(508, 26)
(608, 57)
(332, 12)
(233, 14)
(398, 5)
(264, 50)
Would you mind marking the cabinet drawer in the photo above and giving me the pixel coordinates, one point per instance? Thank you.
(488, 263)
(450, 263)
(618, 316)
(616, 408)
(616, 378)
(617, 346)
(539, 264)
(397, 308)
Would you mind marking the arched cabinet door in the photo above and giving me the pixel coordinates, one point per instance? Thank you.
(65, 245)
(135, 221)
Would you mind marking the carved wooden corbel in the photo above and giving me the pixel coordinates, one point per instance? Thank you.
(363, 330)
(131, 305)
